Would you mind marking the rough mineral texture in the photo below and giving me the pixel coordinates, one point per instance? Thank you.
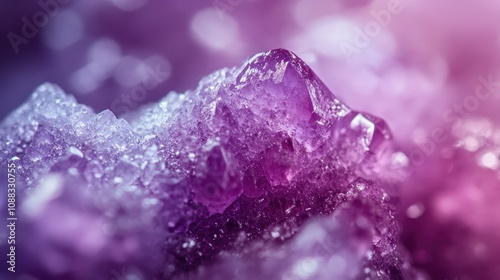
(259, 173)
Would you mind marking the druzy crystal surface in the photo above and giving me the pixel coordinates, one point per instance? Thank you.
(259, 173)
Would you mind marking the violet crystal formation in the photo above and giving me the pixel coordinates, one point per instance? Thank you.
(259, 173)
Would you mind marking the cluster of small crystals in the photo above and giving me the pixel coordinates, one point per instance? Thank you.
(80, 171)
(357, 241)
(259, 172)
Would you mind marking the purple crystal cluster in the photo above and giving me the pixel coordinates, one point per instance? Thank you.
(259, 173)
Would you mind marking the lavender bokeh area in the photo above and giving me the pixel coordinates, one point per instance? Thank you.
(430, 69)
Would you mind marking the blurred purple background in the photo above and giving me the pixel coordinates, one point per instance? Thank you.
(417, 64)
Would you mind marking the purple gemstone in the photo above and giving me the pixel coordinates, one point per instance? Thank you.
(261, 172)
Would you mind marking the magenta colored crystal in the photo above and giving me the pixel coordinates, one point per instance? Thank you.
(259, 173)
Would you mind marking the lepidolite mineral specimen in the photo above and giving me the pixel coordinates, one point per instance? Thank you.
(259, 173)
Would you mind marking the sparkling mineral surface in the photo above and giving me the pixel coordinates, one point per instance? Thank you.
(259, 173)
